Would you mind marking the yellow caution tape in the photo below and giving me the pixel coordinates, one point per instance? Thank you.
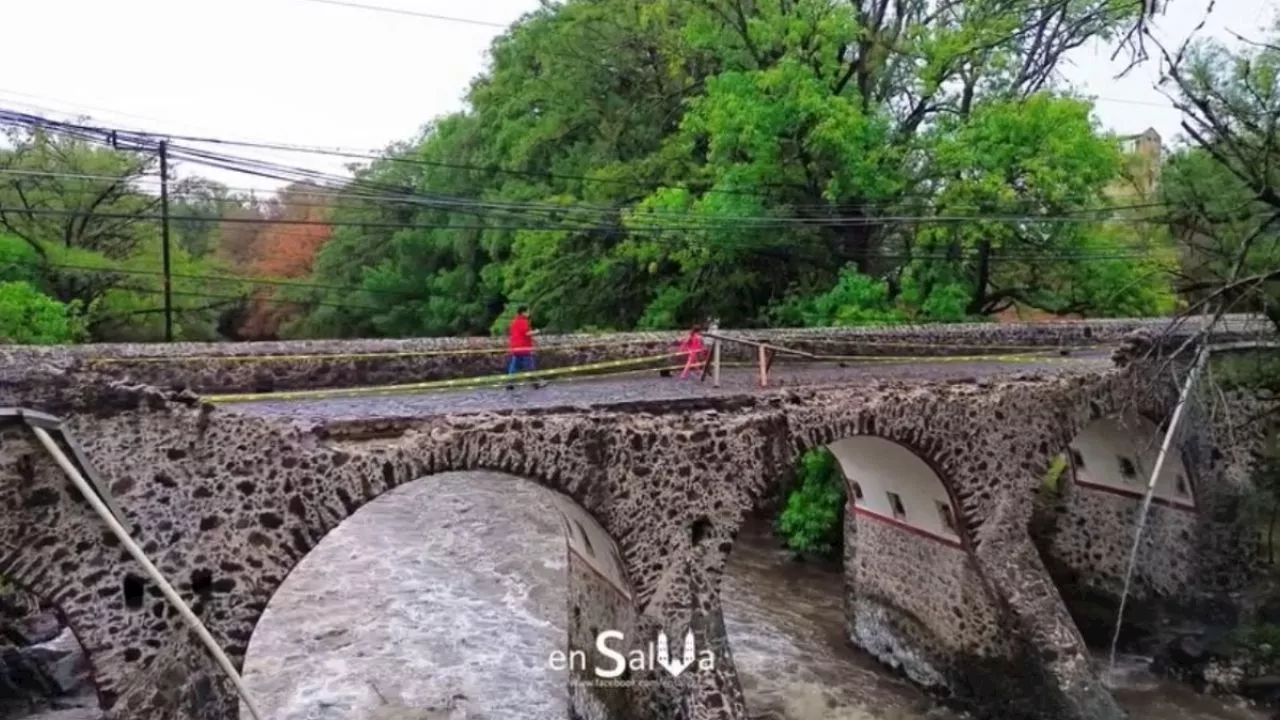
(469, 383)
(1009, 357)
(902, 343)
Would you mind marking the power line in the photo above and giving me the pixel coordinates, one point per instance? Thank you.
(466, 204)
(280, 197)
(209, 278)
(274, 171)
(77, 176)
(846, 222)
(277, 195)
(494, 169)
(457, 204)
(241, 298)
(413, 13)
(937, 256)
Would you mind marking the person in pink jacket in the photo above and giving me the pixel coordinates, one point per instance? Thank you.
(692, 347)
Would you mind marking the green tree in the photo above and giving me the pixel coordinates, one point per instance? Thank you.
(74, 193)
(80, 226)
(811, 523)
(1222, 228)
(1041, 156)
(856, 299)
(28, 317)
(647, 164)
(197, 205)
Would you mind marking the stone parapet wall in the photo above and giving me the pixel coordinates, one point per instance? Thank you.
(1078, 332)
(211, 368)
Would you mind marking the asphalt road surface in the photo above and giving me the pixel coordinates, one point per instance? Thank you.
(650, 386)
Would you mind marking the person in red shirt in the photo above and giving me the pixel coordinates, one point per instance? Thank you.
(692, 347)
(520, 344)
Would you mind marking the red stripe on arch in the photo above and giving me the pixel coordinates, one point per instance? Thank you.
(952, 542)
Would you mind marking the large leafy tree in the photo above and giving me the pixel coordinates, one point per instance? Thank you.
(57, 188)
(630, 163)
(1224, 230)
(1038, 157)
(79, 224)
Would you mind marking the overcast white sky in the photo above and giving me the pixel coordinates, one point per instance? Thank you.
(309, 73)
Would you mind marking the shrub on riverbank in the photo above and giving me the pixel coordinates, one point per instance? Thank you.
(811, 522)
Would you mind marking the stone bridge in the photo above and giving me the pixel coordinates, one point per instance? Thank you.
(954, 556)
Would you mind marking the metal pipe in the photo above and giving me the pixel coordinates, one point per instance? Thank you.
(170, 594)
(1202, 358)
(715, 356)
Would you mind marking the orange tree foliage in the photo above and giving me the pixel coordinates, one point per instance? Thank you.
(283, 246)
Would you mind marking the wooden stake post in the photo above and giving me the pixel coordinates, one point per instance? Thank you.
(765, 355)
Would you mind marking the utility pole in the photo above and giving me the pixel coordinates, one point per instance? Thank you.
(164, 239)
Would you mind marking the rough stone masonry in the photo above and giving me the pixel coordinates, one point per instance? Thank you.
(226, 504)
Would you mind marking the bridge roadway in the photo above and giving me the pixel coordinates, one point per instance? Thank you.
(649, 386)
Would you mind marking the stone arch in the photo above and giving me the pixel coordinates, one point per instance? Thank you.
(227, 504)
(359, 471)
(1117, 453)
(377, 472)
(941, 613)
(890, 482)
(596, 593)
(914, 596)
(855, 444)
(27, 678)
(1084, 524)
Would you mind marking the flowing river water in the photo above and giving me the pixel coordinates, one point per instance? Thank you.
(444, 599)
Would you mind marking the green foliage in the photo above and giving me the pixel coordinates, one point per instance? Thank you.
(94, 184)
(1220, 222)
(1224, 191)
(18, 259)
(858, 299)
(102, 260)
(1054, 474)
(122, 300)
(28, 317)
(1260, 641)
(671, 165)
(1251, 370)
(812, 521)
(1040, 156)
(855, 300)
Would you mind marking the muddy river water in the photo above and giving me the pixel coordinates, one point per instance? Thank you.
(444, 600)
